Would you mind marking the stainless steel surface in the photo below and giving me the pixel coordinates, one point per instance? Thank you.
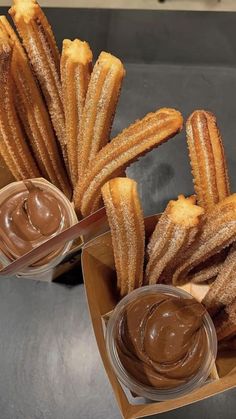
(50, 366)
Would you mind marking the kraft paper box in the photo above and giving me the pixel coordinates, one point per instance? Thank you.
(100, 282)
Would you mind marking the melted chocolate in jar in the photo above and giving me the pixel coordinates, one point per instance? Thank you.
(29, 218)
(161, 340)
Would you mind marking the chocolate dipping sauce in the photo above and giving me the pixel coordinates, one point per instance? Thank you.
(161, 340)
(30, 217)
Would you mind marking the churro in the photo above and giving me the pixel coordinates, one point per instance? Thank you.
(173, 235)
(223, 290)
(13, 147)
(40, 44)
(76, 64)
(209, 269)
(99, 109)
(217, 233)
(34, 116)
(126, 222)
(207, 159)
(151, 131)
(225, 322)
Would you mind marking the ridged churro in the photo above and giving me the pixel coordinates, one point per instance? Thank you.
(223, 290)
(13, 147)
(126, 222)
(218, 232)
(207, 159)
(40, 44)
(151, 131)
(76, 65)
(173, 235)
(99, 109)
(34, 116)
(225, 322)
(209, 269)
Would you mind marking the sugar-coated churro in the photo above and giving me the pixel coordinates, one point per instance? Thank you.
(173, 235)
(225, 322)
(223, 290)
(76, 64)
(33, 115)
(126, 221)
(207, 159)
(209, 269)
(151, 131)
(218, 232)
(99, 109)
(13, 147)
(40, 44)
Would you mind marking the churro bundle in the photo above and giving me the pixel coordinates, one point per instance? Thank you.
(40, 44)
(13, 147)
(151, 131)
(125, 218)
(218, 232)
(64, 111)
(30, 107)
(210, 176)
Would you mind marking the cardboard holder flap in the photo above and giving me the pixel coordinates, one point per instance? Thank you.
(100, 283)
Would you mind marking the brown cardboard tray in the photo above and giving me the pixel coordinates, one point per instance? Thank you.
(100, 283)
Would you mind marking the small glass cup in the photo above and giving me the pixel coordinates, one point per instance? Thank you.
(41, 271)
(130, 382)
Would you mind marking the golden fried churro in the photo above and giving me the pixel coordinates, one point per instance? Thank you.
(209, 269)
(151, 131)
(126, 221)
(76, 64)
(207, 159)
(34, 116)
(99, 109)
(225, 322)
(223, 290)
(218, 232)
(174, 233)
(13, 147)
(40, 44)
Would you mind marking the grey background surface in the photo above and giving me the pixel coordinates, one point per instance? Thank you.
(49, 364)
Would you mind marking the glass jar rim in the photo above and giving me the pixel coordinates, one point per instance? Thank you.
(37, 270)
(150, 392)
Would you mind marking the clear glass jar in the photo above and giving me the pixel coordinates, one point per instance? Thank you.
(37, 270)
(130, 382)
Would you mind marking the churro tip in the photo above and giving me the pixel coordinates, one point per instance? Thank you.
(176, 114)
(198, 113)
(184, 212)
(24, 10)
(77, 51)
(109, 60)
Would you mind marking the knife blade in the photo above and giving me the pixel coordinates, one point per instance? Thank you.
(83, 227)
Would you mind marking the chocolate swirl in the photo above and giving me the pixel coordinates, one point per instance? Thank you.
(161, 340)
(28, 218)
